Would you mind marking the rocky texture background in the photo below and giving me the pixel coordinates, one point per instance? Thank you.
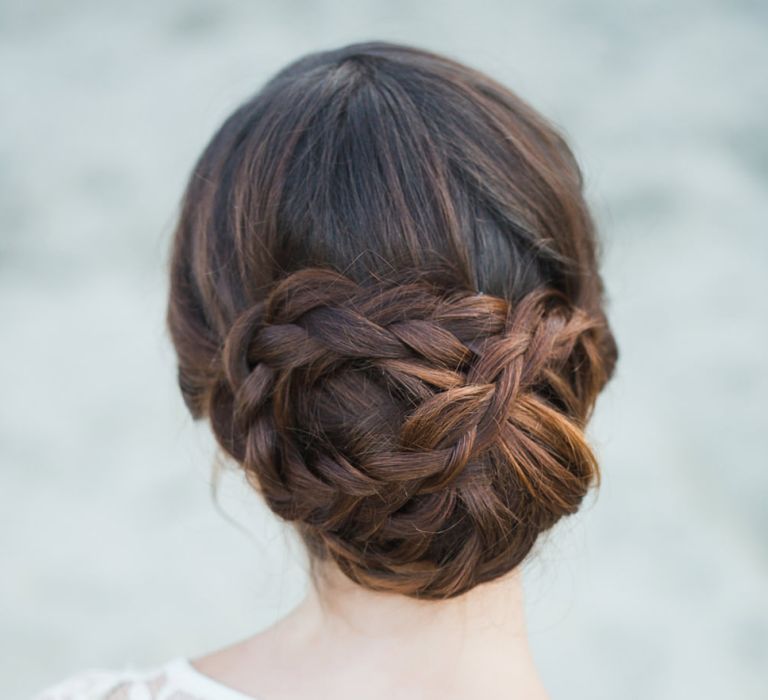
(114, 551)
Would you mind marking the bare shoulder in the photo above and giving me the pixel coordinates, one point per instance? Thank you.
(251, 662)
(240, 664)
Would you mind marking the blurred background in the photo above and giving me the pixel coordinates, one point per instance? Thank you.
(115, 551)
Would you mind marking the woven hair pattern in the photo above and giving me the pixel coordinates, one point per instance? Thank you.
(421, 439)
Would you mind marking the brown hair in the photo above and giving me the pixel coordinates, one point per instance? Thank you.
(385, 297)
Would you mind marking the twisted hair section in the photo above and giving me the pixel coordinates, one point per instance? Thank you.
(421, 439)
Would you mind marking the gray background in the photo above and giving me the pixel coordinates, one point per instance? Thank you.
(113, 550)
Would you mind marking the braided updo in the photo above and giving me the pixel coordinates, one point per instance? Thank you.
(385, 298)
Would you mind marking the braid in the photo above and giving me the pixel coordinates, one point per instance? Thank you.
(410, 433)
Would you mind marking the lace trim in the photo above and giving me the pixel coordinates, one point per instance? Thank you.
(178, 679)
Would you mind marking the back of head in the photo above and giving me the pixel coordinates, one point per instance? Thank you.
(385, 297)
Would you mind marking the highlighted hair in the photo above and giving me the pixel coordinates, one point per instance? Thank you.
(385, 297)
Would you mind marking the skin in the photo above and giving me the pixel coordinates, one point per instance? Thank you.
(344, 642)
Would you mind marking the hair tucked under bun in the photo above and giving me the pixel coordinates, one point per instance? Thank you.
(385, 297)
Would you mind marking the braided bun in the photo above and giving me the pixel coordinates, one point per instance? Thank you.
(421, 440)
(419, 433)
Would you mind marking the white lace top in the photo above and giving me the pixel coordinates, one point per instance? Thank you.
(177, 679)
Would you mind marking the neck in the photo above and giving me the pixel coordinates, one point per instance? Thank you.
(348, 609)
(343, 639)
(476, 641)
